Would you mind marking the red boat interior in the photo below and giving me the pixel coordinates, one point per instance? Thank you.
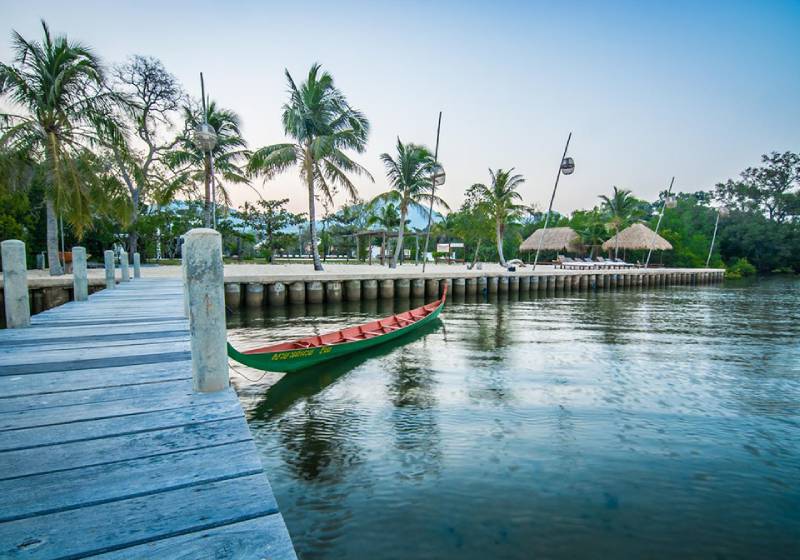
(355, 334)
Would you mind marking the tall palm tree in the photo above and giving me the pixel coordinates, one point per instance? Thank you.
(323, 125)
(499, 201)
(387, 216)
(58, 82)
(409, 175)
(229, 156)
(619, 208)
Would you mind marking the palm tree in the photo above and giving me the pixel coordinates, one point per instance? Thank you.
(410, 178)
(323, 125)
(498, 200)
(387, 216)
(59, 83)
(619, 209)
(194, 166)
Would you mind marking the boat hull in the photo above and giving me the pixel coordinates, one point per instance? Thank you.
(301, 358)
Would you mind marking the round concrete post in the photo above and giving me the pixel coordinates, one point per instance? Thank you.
(297, 292)
(352, 290)
(471, 286)
(233, 296)
(503, 284)
(254, 295)
(583, 282)
(123, 266)
(137, 265)
(494, 284)
(524, 285)
(80, 279)
(276, 294)
(204, 282)
(369, 289)
(593, 282)
(576, 282)
(333, 291)
(108, 257)
(418, 288)
(432, 288)
(402, 288)
(559, 283)
(315, 292)
(387, 288)
(536, 284)
(15, 284)
(513, 284)
(459, 287)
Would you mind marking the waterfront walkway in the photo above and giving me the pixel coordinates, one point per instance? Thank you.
(106, 450)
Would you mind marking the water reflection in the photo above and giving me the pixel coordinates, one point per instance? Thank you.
(645, 423)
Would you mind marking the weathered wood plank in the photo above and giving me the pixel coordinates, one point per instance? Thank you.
(90, 341)
(116, 525)
(133, 358)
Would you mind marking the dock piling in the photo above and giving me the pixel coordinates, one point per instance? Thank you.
(108, 257)
(253, 295)
(123, 266)
(333, 291)
(137, 265)
(276, 294)
(204, 283)
(80, 279)
(15, 284)
(233, 295)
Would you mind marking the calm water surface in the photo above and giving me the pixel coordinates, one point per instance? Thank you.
(654, 424)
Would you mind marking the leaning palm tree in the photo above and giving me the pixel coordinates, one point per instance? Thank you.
(409, 175)
(323, 125)
(58, 83)
(229, 156)
(619, 209)
(498, 200)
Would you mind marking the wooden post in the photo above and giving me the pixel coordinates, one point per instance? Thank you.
(204, 283)
(137, 265)
(15, 284)
(80, 280)
(108, 256)
(123, 265)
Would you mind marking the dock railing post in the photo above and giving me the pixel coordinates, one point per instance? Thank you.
(15, 284)
(123, 266)
(137, 265)
(80, 280)
(108, 257)
(206, 292)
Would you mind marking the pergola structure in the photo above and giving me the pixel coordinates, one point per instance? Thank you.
(384, 235)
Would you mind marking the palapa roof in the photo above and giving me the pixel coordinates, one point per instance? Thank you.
(637, 236)
(555, 239)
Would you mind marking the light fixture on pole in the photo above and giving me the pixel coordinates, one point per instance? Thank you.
(722, 212)
(205, 138)
(566, 167)
(669, 202)
(437, 180)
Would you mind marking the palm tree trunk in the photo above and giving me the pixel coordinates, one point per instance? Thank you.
(475, 258)
(133, 236)
(499, 235)
(312, 213)
(400, 231)
(52, 239)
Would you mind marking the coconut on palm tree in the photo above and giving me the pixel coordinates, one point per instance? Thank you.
(323, 126)
(58, 82)
(409, 175)
(619, 208)
(195, 166)
(499, 201)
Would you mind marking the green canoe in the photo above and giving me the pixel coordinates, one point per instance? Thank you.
(309, 351)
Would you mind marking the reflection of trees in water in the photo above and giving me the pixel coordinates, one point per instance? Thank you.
(417, 434)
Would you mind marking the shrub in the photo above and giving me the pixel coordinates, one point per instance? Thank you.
(741, 268)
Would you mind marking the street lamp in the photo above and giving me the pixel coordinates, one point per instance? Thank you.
(205, 138)
(722, 212)
(437, 179)
(566, 167)
(671, 201)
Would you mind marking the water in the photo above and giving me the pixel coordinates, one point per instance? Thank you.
(637, 424)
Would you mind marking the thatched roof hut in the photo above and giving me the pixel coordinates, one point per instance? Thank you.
(637, 236)
(555, 239)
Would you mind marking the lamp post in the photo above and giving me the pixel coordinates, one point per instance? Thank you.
(721, 213)
(205, 137)
(566, 167)
(669, 202)
(437, 179)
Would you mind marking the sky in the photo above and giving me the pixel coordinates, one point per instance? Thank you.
(696, 90)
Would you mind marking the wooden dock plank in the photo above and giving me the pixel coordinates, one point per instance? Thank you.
(105, 448)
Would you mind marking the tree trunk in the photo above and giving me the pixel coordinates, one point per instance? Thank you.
(207, 207)
(475, 258)
(499, 235)
(383, 249)
(52, 239)
(312, 213)
(400, 232)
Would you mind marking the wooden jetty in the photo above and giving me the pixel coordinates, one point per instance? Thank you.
(106, 450)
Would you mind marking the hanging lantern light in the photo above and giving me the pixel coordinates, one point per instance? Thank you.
(567, 166)
(723, 212)
(671, 201)
(205, 137)
(439, 176)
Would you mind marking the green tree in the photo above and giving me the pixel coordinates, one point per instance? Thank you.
(409, 175)
(323, 126)
(58, 82)
(620, 209)
(269, 218)
(499, 201)
(472, 224)
(194, 167)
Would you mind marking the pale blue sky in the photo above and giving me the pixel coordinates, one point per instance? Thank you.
(693, 89)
